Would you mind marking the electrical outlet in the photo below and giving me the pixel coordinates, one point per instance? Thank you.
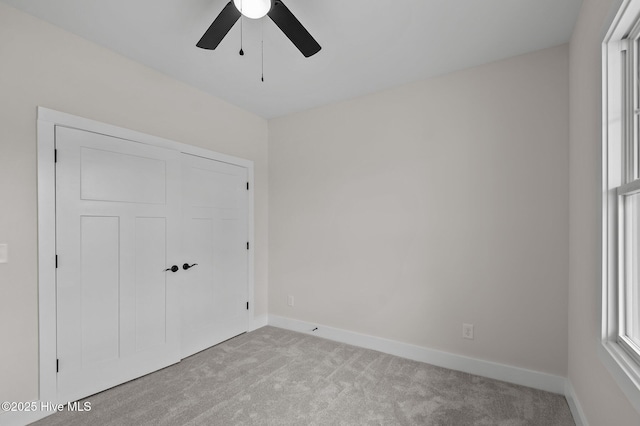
(290, 301)
(4, 253)
(467, 331)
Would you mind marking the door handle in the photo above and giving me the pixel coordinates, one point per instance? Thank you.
(174, 268)
(187, 266)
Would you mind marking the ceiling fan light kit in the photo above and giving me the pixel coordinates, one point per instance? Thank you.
(256, 9)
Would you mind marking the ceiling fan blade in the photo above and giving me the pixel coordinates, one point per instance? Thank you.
(292, 28)
(220, 27)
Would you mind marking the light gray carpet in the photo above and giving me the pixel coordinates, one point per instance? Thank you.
(277, 377)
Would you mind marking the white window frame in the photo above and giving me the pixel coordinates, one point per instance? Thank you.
(620, 173)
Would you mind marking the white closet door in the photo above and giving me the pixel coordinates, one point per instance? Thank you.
(118, 229)
(215, 229)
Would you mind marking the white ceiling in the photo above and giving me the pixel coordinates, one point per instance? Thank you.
(367, 45)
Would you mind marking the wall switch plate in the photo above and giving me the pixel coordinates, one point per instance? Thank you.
(4, 253)
(290, 301)
(467, 331)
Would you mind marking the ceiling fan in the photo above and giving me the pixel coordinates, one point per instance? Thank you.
(255, 9)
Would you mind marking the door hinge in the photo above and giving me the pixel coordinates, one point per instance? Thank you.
(55, 155)
(247, 186)
(56, 261)
(57, 365)
(247, 245)
(247, 306)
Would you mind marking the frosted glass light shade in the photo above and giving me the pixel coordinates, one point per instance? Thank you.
(253, 9)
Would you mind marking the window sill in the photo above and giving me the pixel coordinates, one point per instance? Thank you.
(624, 369)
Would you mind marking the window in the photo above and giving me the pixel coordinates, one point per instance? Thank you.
(629, 233)
(621, 200)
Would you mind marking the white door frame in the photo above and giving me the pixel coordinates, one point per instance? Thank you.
(47, 120)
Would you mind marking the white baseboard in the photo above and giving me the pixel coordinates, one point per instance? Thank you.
(574, 404)
(492, 370)
(258, 322)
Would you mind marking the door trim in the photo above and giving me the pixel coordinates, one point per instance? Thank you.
(47, 121)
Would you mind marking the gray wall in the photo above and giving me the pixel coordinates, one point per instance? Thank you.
(600, 397)
(406, 213)
(43, 65)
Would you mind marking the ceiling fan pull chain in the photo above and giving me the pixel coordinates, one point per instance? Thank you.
(241, 51)
(262, 60)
